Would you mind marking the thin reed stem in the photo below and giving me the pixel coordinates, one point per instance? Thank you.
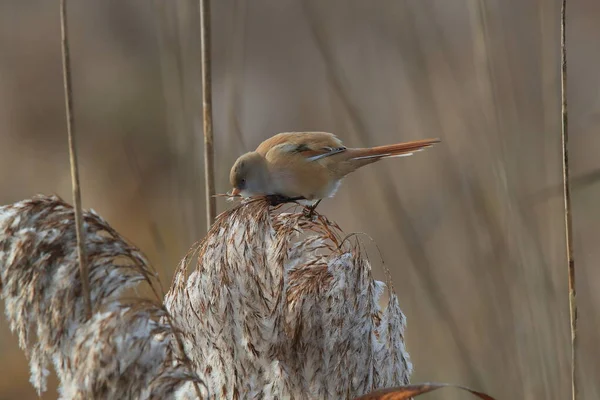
(66, 60)
(209, 167)
(567, 200)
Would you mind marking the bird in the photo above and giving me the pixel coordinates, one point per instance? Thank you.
(306, 167)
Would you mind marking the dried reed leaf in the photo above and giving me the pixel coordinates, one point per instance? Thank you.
(409, 391)
(279, 307)
(124, 350)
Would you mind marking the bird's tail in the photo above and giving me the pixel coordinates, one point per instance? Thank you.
(359, 157)
(364, 156)
(391, 150)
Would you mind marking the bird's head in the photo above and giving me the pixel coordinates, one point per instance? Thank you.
(249, 175)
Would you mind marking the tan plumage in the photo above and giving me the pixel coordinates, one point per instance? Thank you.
(307, 165)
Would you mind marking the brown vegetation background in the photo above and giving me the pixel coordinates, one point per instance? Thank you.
(472, 229)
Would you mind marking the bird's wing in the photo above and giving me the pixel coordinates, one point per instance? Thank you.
(311, 146)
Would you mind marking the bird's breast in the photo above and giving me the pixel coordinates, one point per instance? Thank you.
(308, 181)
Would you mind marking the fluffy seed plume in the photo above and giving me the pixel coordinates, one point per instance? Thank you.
(124, 350)
(281, 307)
(277, 307)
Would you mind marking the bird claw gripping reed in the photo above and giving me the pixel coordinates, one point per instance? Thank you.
(277, 307)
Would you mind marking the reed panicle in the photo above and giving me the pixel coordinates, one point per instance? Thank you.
(278, 306)
(125, 348)
(281, 307)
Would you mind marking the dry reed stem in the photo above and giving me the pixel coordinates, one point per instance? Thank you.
(567, 201)
(209, 164)
(66, 61)
(125, 350)
(279, 307)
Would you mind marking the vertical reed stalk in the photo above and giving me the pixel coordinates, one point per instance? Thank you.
(567, 200)
(66, 61)
(207, 112)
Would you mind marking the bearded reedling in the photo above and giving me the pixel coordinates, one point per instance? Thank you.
(306, 166)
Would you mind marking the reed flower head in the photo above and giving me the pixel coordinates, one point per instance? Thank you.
(277, 306)
(280, 306)
(124, 350)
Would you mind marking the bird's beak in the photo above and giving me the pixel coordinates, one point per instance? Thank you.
(235, 192)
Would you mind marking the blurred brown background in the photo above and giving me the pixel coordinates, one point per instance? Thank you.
(471, 229)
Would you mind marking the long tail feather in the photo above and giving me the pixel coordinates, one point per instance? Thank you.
(392, 150)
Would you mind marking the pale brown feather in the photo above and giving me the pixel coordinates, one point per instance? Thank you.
(311, 164)
(352, 159)
(390, 150)
(315, 142)
(292, 175)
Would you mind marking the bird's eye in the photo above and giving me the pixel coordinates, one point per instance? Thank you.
(243, 181)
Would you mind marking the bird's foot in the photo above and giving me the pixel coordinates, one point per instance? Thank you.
(309, 211)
